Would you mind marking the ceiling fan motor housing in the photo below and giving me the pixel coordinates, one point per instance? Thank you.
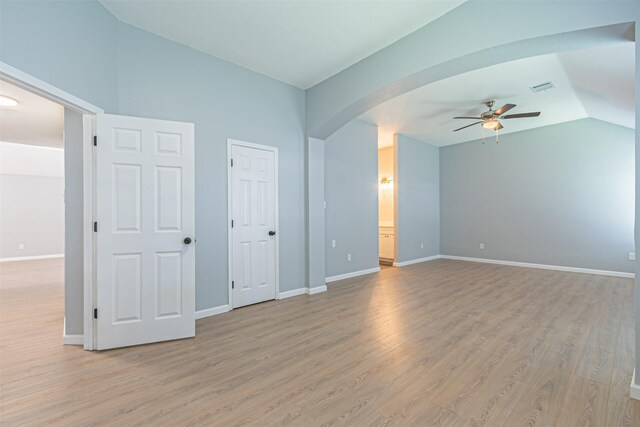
(488, 114)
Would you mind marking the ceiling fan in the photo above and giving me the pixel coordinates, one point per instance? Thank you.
(489, 119)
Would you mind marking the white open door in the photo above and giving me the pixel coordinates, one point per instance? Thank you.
(145, 260)
(254, 241)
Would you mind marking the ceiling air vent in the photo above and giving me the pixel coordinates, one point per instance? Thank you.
(542, 87)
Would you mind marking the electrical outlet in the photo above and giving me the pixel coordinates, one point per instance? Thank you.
(333, 243)
(481, 245)
(421, 245)
(21, 246)
(632, 256)
(349, 257)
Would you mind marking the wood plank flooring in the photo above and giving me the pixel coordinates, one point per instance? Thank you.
(442, 343)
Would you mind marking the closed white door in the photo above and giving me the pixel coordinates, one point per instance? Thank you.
(254, 237)
(145, 238)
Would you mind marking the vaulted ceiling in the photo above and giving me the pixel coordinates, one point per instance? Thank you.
(300, 42)
(598, 83)
(303, 42)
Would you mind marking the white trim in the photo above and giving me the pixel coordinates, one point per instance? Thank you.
(293, 293)
(350, 275)
(415, 261)
(302, 291)
(28, 258)
(635, 388)
(70, 339)
(230, 143)
(316, 289)
(542, 266)
(207, 312)
(73, 339)
(44, 89)
(89, 123)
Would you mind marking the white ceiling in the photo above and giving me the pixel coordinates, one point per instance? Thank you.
(300, 42)
(35, 121)
(598, 83)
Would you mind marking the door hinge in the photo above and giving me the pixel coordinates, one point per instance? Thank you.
(233, 284)
(231, 162)
(95, 140)
(95, 227)
(95, 313)
(231, 223)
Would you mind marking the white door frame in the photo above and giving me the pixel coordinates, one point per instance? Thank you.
(89, 111)
(274, 150)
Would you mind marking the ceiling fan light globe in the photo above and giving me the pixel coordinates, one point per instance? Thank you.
(491, 124)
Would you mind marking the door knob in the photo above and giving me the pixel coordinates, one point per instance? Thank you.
(187, 240)
(272, 233)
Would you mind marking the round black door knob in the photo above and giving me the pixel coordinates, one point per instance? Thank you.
(187, 240)
(272, 233)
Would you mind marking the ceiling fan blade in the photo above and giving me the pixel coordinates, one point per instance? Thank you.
(521, 115)
(506, 107)
(464, 117)
(463, 127)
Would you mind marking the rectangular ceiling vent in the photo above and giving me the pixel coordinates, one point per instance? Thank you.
(542, 87)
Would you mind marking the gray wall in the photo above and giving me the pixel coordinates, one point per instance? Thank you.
(316, 196)
(69, 44)
(85, 51)
(161, 79)
(559, 195)
(351, 193)
(31, 213)
(417, 202)
(73, 235)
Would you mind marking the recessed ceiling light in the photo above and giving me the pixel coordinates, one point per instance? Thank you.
(6, 101)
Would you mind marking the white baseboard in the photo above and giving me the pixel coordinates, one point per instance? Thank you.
(415, 261)
(70, 339)
(73, 339)
(635, 388)
(30, 258)
(316, 289)
(302, 291)
(201, 314)
(293, 293)
(542, 266)
(350, 275)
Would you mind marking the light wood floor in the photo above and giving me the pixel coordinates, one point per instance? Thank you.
(444, 343)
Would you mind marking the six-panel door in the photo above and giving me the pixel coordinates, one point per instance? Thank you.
(145, 210)
(253, 201)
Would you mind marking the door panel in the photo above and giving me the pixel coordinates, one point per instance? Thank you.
(168, 198)
(253, 210)
(145, 209)
(127, 287)
(126, 198)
